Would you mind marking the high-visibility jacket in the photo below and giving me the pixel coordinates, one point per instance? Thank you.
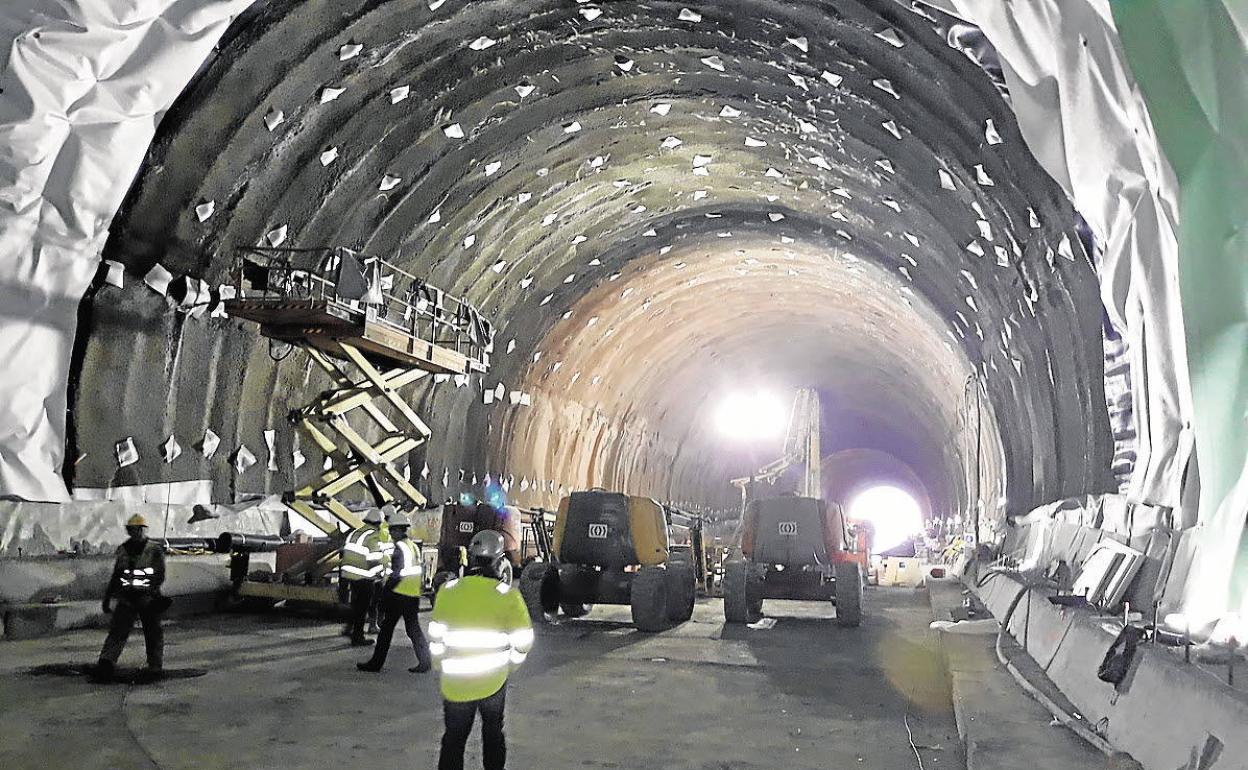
(139, 568)
(480, 631)
(406, 570)
(362, 554)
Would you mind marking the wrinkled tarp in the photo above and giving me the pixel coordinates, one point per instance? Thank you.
(1191, 61)
(43, 528)
(85, 85)
(1084, 119)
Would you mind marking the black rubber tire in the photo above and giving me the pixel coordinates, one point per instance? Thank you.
(576, 610)
(539, 586)
(682, 590)
(743, 602)
(649, 599)
(848, 594)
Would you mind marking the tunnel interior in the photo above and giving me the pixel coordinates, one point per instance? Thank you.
(654, 204)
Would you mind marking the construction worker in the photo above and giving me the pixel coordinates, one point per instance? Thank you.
(138, 574)
(401, 598)
(361, 572)
(481, 633)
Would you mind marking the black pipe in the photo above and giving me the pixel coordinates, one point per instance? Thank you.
(232, 542)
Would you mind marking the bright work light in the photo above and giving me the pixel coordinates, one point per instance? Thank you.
(894, 513)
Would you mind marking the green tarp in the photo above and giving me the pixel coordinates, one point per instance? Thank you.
(1190, 61)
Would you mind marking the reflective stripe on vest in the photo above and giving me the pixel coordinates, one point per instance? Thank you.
(410, 574)
(471, 652)
(138, 577)
(361, 555)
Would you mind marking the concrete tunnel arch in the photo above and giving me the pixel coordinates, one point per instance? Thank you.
(835, 257)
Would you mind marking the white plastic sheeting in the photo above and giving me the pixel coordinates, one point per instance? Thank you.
(85, 85)
(1085, 120)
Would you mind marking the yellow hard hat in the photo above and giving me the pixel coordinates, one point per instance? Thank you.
(136, 520)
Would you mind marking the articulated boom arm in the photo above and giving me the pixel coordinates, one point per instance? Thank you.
(801, 447)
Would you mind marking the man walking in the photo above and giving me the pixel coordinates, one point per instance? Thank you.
(401, 599)
(481, 632)
(138, 574)
(361, 572)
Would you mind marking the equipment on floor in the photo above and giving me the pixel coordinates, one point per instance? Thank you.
(793, 547)
(612, 548)
(372, 329)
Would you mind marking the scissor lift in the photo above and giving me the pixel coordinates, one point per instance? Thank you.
(373, 329)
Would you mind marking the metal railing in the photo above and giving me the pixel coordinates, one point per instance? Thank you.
(362, 284)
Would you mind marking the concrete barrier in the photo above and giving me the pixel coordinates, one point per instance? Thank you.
(27, 586)
(1165, 714)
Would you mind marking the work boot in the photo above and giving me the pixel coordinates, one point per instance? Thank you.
(421, 668)
(368, 666)
(101, 673)
(361, 642)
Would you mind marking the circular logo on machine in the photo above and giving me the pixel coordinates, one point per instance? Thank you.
(598, 531)
(788, 527)
(466, 526)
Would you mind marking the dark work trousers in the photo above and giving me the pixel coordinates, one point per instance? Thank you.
(128, 609)
(362, 593)
(393, 608)
(459, 717)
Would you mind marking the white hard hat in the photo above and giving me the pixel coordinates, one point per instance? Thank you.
(373, 516)
(398, 519)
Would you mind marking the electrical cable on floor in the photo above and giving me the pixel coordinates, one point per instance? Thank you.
(1075, 724)
(125, 720)
(910, 734)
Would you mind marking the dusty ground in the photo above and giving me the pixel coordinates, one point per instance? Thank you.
(283, 692)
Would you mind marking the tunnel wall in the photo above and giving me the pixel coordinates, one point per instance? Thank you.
(1033, 338)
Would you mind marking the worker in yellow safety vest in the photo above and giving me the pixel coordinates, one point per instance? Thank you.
(360, 572)
(480, 632)
(400, 599)
(138, 573)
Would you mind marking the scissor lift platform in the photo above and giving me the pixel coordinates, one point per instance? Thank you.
(374, 329)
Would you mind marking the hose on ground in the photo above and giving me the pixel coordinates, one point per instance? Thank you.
(1075, 724)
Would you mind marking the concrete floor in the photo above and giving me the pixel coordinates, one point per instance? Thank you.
(283, 692)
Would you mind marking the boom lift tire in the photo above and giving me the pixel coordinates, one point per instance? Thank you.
(743, 602)
(848, 594)
(539, 586)
(682, 590)
(649, 599)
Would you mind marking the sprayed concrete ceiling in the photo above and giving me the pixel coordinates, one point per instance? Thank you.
(654, 203)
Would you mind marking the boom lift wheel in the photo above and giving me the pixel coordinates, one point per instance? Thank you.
(848, 594)
(539, 585)
(743, 602)
(649, 599)
(682, 590)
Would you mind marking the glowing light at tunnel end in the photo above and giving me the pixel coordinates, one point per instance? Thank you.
(893, 512)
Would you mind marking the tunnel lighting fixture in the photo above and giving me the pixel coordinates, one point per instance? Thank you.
(893, 512)
(749, 416)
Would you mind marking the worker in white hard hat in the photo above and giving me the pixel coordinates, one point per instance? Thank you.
(360, 572)
(400, 599)
(138, 573)
(481, 633)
